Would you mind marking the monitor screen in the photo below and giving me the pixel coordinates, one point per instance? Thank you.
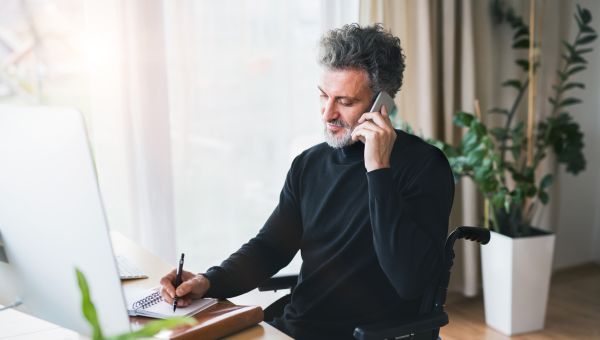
(52, 221)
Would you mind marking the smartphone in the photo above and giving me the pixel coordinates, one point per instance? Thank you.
(383, 99)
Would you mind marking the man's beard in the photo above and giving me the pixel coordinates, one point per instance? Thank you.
(339, 141)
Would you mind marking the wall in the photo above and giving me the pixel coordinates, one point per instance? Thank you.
(578, 223)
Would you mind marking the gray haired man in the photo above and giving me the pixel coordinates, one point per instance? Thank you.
(368, 209)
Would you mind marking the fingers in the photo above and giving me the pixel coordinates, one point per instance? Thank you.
(193, 287)
(167, 283)
(384, 111)
(366, 130)
(181, 302)
(381, 119)
(165, 295)
(185, 288)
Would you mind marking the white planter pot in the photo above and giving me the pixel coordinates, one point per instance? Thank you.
(516, 278)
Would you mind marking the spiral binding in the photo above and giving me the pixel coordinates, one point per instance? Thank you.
(148, 301)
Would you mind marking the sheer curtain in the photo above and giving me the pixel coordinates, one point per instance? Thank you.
(243, 103)
(129, 119)
(197, 110)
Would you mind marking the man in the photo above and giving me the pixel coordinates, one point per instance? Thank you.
(368, 209)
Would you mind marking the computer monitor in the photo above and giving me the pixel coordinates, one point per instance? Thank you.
(52, 220)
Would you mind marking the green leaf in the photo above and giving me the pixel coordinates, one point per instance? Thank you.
(587, 29)
(524, 63)
(518, 129)
(569, 101)
(499, 197)
(499, 133)
(576, 59)
(152, 328)
(566, 139)
(530, 190)
(489, 184)
(475, 157)
(498, 111)
(469, 141)
(584, 50)
(487, 142)
(87, 306)
(569, 86)
(585, 15)
(463, 119)
(513, 82)
(574, 70)
(544, 198)
(507, 204)
(569, 47)
(478, 128)
(562, 75)
(546, 182)
(523, 43)
(523, 31)
(586, 39)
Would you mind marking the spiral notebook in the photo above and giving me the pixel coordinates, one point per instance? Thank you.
(152, 305)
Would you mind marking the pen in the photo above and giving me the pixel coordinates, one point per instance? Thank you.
(178, 280)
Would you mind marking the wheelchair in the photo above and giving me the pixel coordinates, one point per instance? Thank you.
(431, 317)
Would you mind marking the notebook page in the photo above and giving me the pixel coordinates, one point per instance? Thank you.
(152, 305)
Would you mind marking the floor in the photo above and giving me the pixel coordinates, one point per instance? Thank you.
(573, 310)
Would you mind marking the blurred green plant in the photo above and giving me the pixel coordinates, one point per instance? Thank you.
(149, 330)
(490, 155)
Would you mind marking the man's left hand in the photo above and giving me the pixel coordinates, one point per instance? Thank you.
(377, 132)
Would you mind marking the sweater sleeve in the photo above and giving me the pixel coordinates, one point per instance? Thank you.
(410, 222)
(264, 255)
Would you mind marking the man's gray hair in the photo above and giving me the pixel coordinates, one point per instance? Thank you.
(369, 48)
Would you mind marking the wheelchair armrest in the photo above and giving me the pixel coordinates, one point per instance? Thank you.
(477, 234)
(393, 329)
(279, 282)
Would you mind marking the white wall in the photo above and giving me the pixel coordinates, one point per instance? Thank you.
(578, 234)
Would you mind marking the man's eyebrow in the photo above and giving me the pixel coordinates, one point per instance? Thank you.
(338, 97)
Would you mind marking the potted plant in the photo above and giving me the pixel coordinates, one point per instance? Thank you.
(504, 161)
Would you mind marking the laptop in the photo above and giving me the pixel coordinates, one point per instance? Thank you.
(52, 221)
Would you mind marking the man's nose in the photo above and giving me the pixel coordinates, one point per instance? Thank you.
(329, 111)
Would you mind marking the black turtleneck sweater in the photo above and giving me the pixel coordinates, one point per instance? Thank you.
(370, 241)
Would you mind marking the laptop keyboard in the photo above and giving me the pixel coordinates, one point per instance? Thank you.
(128, 270)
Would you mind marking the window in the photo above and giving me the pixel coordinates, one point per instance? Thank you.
(244, 103)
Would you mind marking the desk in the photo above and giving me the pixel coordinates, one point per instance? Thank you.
(15, 325)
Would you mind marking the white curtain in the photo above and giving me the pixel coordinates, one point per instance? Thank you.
(243, 103)
(130, 119)
(197, 109)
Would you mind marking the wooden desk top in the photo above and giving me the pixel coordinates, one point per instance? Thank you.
(15, 325)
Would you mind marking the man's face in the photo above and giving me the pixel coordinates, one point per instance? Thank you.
(345, 96)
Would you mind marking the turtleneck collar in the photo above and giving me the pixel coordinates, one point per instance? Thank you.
(352, 152)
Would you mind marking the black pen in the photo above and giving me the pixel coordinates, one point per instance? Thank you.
(178, 280)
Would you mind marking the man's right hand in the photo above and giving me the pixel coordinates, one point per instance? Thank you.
(193, 286)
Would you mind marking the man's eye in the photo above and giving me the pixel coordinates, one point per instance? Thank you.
(346, 103)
